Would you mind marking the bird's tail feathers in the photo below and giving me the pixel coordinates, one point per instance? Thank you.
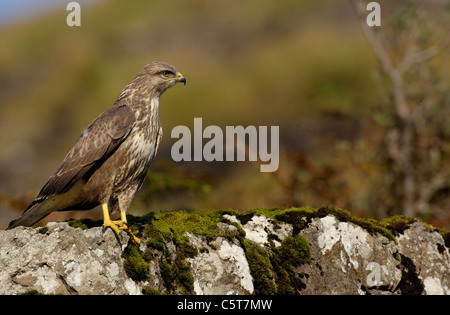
(44, 205)
(35, 212)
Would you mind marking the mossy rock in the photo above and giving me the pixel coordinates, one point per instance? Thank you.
(274, 269)
(136, 267)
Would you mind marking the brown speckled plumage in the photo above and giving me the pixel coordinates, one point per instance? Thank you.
(109, 161)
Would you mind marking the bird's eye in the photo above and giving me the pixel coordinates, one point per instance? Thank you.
(166, 73)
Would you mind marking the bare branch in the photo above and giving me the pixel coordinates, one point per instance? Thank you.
(429, 189)
(393, 73)
(419, 57)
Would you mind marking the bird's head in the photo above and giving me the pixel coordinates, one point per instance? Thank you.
(159, 76)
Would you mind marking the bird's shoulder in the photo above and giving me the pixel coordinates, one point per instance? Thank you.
(115, 122)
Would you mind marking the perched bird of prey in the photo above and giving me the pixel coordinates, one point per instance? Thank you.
(108, 163)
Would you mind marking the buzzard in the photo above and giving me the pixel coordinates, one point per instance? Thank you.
(108, 163)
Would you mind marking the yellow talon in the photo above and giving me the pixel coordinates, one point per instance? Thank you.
(134, 238)
(119, 224)
(110, 224)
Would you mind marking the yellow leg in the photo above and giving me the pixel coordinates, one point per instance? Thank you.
(119, 224)
(107, 221)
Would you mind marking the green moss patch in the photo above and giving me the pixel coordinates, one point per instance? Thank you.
(260, 268)
(198, 223)
(84, 224)
(398, 224)
(175, 270)
(135, 265)
(166, 227)
(273, 269)
(152, 291)
(370, 225)
(43, 229)
(293, 252)
(32, 292)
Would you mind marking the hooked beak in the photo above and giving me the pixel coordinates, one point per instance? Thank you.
(180, 78)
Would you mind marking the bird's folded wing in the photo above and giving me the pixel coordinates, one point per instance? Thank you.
(97, 142)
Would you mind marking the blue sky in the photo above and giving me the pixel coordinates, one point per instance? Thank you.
(11, 10)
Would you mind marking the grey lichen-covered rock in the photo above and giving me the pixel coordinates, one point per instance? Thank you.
(259, 228)
(223, 270)
(426, 253)
(63, 260)
(362, 261)
(280, 251)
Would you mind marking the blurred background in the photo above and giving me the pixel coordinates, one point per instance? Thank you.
(363, 112)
